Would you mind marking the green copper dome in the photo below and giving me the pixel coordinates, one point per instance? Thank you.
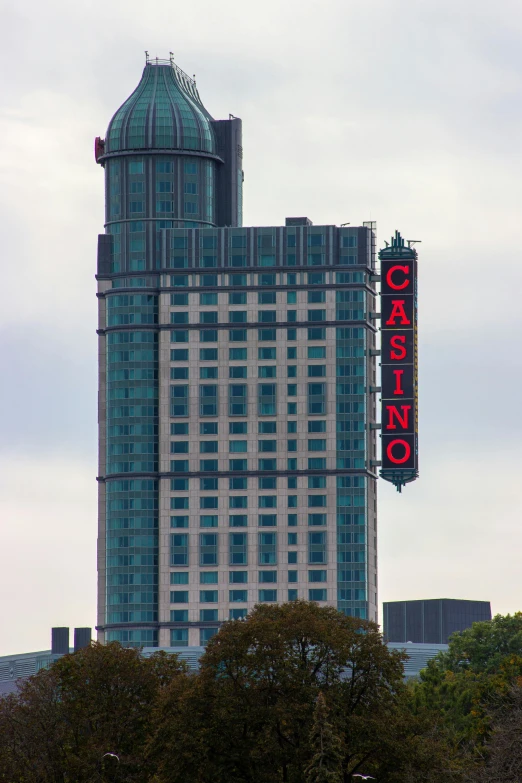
(164, 112)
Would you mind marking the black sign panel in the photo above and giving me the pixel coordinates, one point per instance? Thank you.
(399, 363)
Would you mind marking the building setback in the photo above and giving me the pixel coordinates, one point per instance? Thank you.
(237, 443)
(432, 621)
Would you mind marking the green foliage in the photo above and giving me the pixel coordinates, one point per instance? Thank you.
(295, 693)
(325, 766)
(484, 646)
(66, 719)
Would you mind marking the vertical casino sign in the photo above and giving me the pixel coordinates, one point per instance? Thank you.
(399, 382)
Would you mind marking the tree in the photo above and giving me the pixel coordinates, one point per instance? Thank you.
(249, 714)
(64, 719)
(326, 746)
(484, 646)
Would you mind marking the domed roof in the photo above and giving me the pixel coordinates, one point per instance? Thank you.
(163, 112)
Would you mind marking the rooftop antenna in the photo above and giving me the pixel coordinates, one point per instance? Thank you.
(345, 224)
(146, 57)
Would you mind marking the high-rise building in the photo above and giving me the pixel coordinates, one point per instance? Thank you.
(431, 621)
(237, 409)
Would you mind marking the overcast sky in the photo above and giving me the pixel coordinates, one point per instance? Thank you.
(406, 112)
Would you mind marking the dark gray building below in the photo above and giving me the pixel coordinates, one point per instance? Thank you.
(431, 621)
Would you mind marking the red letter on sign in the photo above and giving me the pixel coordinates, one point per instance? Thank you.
(398, 380)
(398, 460)
(389, 280)
(395, 342)
(398, 312)
(393, 412)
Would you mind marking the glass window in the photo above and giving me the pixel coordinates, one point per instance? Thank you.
(266, 279)
(206, 634)
(267, 501)
(291, 426)
(237, 298)
(316, 398)
(292, 482)
(266, 445)
(317, 352)
(208, 428)
(316, 297)
(267, 399)
(179, 578)
(292, 557)
(316, 278)
(237, 446)
(317, 315)
(267, 482)
(179, 300)
(238, 577)
(237, 279)
(179, 336)
(208, 577)
(291, 297)
(208, 400)
(179, 550)
(237, 400)
(292, 408)
(268, 596)
(237, 614)
(208, 299)
(292, 539)
(208, 446)
(292, 576)
(238, 520)
(267, 427)
(179, 318)
(291, 445)
(179, 355)
(208, 354)
(317, 371)
(206, 484)
(315, 501)
(316, 482)
(316, 520)
(238, 596)
(238, 501)
(237, 316)
(207, 373)
(316, 444)
(179, 465)
(179, 281)
(268, 576)
(316, 333)
(208, 280)
(208, 596)
(208, 465)
(179, 596)
(237, 464)
(208, 336)
(206, 317)
(264, 354)
(238, 482)
(238, 427)
(237, 335)
(179, 521)
(317, 594)
(291, 353)
(317, 463)
(267, 520)
(179, 485)
(292, 520)
(265, 371)
(266, 316)
(237, 354)
(208, 615)
(208, 549)
(179, 373)
(292, 370)
(291, 334)
(208, 520)
(291, 390)
(179, 447)
(267, 335)
(238, 548)
(266, 297)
